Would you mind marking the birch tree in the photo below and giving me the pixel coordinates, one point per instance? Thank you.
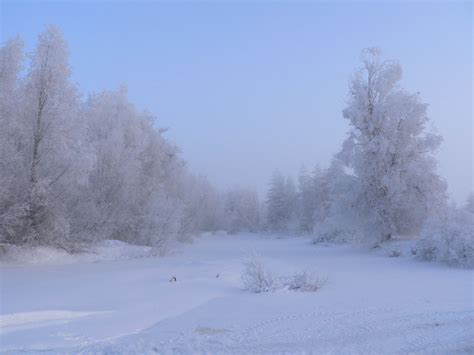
(11, 211)
(52, 161)
(390, 150)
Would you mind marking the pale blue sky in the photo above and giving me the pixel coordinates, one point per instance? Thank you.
(247, 87)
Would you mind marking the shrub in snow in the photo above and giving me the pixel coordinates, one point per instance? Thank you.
(305, 281)
(334, 234)
(449, 239)
(331, 231)
(394, 253)
(255, 276)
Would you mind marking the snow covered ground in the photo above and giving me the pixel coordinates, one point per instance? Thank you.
(371, 303)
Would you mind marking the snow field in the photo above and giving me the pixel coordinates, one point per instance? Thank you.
(370, 304)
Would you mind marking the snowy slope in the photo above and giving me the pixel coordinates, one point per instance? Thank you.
(370, 304)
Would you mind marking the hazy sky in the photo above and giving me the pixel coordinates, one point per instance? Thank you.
(248, 87)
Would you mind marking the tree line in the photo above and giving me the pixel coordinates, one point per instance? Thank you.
(76, 170)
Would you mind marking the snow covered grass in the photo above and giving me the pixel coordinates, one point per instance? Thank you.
(372, 304)
(106, 250)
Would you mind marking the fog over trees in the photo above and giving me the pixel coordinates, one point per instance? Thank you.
(76, 169)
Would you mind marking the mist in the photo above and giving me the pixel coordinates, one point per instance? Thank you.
(236, 177)
(247, 88)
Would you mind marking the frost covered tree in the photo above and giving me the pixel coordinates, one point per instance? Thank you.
(313, 199)
(291, 201)
(342, 210)
(139, 189)
(56, 158)
(469, 206)
(52, 161)
(11, 57)
(200, 205)
(389, 150)
(204, 209)
(134, 191)
(73, 172)
(306, 201)
(281, 203)
(108, 202)
(241, 210)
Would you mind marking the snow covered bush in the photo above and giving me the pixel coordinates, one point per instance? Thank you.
(305, 281)
(255, 276)
(332, 233)
(448, 239)
(394, 253)
(335, 231)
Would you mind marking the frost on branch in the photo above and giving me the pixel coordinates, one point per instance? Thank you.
(255, 275)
